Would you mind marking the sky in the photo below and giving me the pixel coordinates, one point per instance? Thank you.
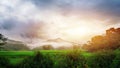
(72, 20)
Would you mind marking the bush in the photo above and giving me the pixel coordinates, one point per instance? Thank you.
(37, 61)
(72, 60)
(116, 61)
(4, 62)
(101, 60)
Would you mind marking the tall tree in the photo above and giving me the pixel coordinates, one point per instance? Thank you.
(2, 41)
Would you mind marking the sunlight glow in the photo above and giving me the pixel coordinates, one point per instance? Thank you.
(78, 31)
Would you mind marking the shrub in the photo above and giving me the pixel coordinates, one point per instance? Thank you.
(72, 60)
(37, 61)
(116, 61)
(101, 60)
(4, 62)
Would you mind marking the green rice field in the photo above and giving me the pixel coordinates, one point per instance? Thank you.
(86, 59)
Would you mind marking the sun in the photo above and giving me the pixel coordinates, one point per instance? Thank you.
(77, 33)
(82, 30)
(72, 28)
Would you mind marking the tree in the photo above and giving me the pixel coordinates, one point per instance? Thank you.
(2, 41)
(111, 40)
(47, 47)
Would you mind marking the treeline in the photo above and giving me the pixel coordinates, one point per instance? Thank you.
(109, 41)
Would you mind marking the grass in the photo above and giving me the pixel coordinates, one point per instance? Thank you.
(15, 61)
(16, 57)
(16, 53)
(30, 53)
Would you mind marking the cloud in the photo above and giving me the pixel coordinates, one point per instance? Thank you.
(23, 31)
(111, 7)
(7, 24)
(18, 19)
(43, 3)
(30, 19)
(32, 30)
(97, 9)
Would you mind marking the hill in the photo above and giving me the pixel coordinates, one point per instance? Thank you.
(15, 45)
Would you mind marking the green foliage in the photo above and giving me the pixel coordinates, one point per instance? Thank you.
(2, 42)
(109, 41)
(37, 61)
(101, 60)
(72, 59)
(44, 47)
(4, 62)
(61, 59)
(116, 61)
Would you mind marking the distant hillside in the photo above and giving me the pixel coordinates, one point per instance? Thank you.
(15, 45)
(56, 40)
(53, 44)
